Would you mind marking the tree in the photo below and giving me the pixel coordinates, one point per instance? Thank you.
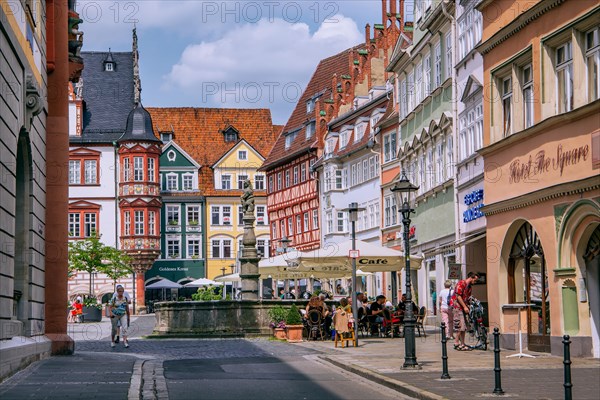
(91, 255)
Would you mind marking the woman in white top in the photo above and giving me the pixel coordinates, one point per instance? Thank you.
(446, 309)
(118, 311)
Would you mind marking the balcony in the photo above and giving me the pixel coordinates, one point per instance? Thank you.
(173, 226)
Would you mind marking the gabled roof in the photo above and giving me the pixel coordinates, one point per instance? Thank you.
(319, 83)
(471, 87)
(181, 151)
(402, 44)
(199, 132)
(234, 148)
(107, 97)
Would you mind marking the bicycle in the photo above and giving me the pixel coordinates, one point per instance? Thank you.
(477, 329)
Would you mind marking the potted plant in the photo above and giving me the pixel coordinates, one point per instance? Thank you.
(294, 327)
(277, 315)
(193, 222)
(173, 222)
(92, 310)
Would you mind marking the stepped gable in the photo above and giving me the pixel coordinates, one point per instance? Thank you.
(320, 84)
(199, 131)
(108, 97)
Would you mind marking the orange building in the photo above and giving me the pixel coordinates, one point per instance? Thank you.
(542, 159)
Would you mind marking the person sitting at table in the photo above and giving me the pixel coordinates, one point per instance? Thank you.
(315, 303)
(376, 316)
(401, 309)
(344, 305)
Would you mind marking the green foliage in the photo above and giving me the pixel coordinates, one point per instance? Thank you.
(208, 293)
(117, 264)
(293, 316)
(277, 314)
(91, 302)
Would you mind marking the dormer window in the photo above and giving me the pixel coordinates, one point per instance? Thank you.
(230, 134)
(310, 129)
(109, 66)
(289, 139)
(166, 137)
(310, 106)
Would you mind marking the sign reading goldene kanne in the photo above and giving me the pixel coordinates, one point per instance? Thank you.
(542, 163)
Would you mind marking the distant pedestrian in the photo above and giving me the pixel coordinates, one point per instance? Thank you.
(444, 300)
(118, 312)
(76, 310)
(460, 304)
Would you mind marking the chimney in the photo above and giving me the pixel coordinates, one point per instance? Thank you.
(367, 34)
(383, 11)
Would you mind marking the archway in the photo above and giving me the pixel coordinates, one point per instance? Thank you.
(22, 237)
(528, 283)
(592, 280)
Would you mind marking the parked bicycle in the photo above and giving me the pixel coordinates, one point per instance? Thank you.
(476, 328)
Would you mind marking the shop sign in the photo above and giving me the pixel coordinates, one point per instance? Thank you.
(474, 212)
(166, 269)
(540, 164)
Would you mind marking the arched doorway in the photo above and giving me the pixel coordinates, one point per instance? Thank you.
(528, 283)
(592, 280)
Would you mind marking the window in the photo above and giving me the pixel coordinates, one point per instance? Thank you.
(426, 75)
(372, 173)
(166, 137)
(564, 77)
(259, 182)
(353, 180)
(74, 172)
(242, 155)
(359, 132)
(340, 221)
(262, 247)
(241, 180)
(74, 224)
(365, 169)
(423, 171)
(302, 172)
(261, 215)
(338, 179)
(296, 168)
(172, 214)
(151, 170)
(527, 82)
(440, 162)
(390, 211)
(306, 222)
(226, 182)
(193, 215)
(289, 139)
(226, 215)
(592, 53)
(438, 64)
(188, 180)
(431, 168)
(450, 157)
(240, 215)
(449, 63)
(283, 228)
(290, 226)
(274, 230)
(329, 221)
(287, 178)
(151, 223)
(230, 135)
(419, 82)
(389, 146)
(173, 247)
(310, 105)
(410, 84)
(138, 223)
(138, 169)
(402, 99)
(279, 181)
(109, 67)
(172, 183)
(126, 170)
(298, 224)
(310, 129)
(126, 223)
(271, 184)
(469, 31)
(193, 248)
(507, 105)
(221, 248)
(343, 139)
(91, 172)
(315, 224)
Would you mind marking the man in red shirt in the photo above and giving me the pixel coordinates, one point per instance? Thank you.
(460, 303)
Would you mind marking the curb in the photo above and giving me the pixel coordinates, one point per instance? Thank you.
(135, 385)
(394, 384)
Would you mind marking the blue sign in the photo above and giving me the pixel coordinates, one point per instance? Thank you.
(472, 213)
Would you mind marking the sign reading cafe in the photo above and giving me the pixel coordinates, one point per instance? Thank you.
(542, 163)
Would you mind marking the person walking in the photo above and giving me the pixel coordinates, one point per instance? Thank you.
(444, 306)
(460, 304)
(118, 312)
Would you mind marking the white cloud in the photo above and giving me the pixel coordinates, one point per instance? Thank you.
(251, 58)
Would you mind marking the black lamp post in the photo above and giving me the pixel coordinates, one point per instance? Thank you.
(285, 242)
(403, 190)
(353, 210)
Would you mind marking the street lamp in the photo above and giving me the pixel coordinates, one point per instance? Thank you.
(285, 242)
(353, 210)
(404, 190)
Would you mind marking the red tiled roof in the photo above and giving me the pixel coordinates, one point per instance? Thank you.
(320, 82)
(199, 132)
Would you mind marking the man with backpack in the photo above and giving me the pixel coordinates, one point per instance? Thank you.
(460, 304)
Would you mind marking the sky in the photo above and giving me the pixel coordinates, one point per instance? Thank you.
(237, 54)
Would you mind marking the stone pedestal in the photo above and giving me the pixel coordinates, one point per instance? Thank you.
(249, 260)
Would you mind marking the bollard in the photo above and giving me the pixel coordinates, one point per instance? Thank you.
(445, 374)
(567, 363)
(497, 370)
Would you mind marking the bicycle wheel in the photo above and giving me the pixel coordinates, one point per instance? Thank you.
(483, 339)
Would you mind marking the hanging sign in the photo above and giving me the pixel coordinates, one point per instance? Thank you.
(354, 254)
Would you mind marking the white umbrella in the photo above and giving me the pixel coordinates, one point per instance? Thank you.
(164, 284)
(229, 278)
(202, 282)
